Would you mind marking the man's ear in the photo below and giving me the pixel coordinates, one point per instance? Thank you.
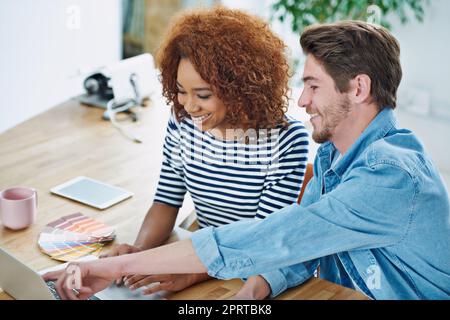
(360, 89)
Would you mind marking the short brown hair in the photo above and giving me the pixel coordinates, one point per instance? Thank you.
(238, 55)
(349, 48)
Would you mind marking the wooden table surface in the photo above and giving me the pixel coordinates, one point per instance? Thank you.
(72, 140)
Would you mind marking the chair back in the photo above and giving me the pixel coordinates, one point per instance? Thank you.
(306, 178)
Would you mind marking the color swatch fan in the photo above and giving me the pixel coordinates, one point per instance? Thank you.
(74, 236)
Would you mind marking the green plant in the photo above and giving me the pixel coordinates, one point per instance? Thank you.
(307, 12)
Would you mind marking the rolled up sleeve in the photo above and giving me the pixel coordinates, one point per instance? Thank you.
(371, 208)
(285, 278)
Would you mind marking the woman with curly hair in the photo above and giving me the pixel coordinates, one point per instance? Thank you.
(228, 141)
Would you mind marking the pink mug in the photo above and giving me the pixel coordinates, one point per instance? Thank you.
(18, 207)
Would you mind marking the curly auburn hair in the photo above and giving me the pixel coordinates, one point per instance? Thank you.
(238, 56)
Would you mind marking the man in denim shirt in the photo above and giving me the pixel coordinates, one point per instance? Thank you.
(375, 216)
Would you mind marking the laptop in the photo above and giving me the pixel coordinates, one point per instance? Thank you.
(23, 283)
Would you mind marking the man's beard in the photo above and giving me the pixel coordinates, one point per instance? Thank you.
(334, 115)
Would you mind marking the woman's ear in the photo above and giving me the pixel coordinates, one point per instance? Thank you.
(360, 91)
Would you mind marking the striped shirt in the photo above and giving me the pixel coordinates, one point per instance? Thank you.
(231, 180)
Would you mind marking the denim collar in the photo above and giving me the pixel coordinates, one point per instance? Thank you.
(377, 129)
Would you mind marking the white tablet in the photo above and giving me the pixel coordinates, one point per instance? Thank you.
(91, 192)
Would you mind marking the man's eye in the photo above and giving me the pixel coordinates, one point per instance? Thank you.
(314, 88)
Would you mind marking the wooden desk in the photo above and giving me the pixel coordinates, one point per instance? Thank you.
(72, 140)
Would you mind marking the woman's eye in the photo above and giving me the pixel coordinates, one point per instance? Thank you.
(181, 92)
(205, 97)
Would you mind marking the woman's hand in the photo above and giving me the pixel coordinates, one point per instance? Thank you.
(79, 281)
(255, 288)
(121, 249)
(166, 282)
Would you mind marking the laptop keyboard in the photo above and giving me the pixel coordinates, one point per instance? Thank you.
(51, 286)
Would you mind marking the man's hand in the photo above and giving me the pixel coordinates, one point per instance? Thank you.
(79, 281)
(118, 250)
(255, 288)
(167, 282)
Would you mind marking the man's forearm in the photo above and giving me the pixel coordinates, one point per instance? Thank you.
(178, 257)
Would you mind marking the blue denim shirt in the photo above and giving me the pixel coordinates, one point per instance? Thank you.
(377, 221)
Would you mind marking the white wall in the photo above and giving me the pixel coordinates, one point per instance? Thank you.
(425, 52)
(44, 44)
(424, 95)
